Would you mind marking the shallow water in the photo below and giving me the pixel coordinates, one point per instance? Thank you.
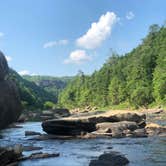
(139, 151)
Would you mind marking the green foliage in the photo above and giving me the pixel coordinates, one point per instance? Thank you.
(49, 105)
(52, 85)
(32, 96)
(137, 78)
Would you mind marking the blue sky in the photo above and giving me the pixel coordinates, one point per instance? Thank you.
(60, 37)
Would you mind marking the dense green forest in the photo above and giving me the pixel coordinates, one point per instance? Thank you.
(52, 85)
(135, 79)
(38, 91)
(32, 96)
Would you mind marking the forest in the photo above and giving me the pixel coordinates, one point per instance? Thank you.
(136, 79)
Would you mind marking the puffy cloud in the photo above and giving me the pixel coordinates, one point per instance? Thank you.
(8, 58)
(55, 43)
(24, 72)
(130, 15)
(77, 57)
(1, 34)
(98, 31)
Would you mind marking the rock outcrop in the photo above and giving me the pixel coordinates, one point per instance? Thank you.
(155, 129)
(10, 105)
(117, 129)
(10, 155)
(110, 123)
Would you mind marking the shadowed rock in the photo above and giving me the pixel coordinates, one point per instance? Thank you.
(110, 159)
(87, 124)
(10, 105)
(4, 69)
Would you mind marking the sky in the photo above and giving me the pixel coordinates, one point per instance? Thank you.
(61, 37)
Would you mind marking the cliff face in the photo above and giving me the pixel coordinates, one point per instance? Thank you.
(10, 105)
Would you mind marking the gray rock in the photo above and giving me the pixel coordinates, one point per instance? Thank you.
(40, 155)
(10, 105)
(10, 155)
(117, 129)
(110, 159)
(140, 133)
(154, 129)
(67, 127)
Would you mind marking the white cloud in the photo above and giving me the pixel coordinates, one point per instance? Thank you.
(8, 58)
(55, 43)
(130, 15)
(24, 72)
(77, 57)
(1, 34)
(63, 42)
(98, 31)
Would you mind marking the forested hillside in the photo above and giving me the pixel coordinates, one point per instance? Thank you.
(52, 85)
(137, 78)
(32, 96)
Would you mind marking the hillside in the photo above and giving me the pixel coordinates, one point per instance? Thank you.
(32, 96)
(52, 85)
(135, 79)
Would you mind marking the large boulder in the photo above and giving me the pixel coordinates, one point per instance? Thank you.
(110, 159)
(10, 105)
(67, 127)
(116, 129)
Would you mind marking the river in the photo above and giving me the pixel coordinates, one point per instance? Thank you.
(140, 151)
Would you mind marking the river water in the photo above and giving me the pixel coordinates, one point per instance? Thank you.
(140, 151)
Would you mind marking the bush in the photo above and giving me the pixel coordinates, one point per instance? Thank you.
(49, 105)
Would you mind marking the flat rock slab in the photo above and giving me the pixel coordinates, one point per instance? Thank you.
(87, 124)
(39, 155)
(68, 127)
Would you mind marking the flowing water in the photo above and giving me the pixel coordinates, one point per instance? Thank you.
(140, 151)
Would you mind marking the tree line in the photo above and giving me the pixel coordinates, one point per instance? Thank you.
(136, 79)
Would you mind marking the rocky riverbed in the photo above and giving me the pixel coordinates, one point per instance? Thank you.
(148, 151)
(112, 123)
(137, 151)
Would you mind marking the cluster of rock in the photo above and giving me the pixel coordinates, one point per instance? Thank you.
(155, 129)
(10, 105)
(43, 115)
(11, 156)
(105, 124)
(83, 110)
